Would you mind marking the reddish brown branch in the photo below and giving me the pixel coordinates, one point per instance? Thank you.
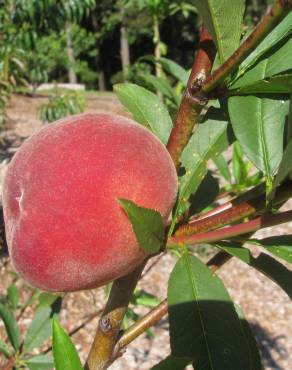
(278, 11)
(191, 108)
(235, 210)
(232, 231)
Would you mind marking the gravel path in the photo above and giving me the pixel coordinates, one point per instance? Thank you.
(265, 305)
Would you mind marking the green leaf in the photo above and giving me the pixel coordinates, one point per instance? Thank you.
(277, 62)
(222, 166)
(281, 84)
(207, 192)
(13, 295)
(240, 167)
(255, 355)
(5, 349)
(11, 326)
(175, 70)
(280, 246)
(147, 225)
(171, 67)
(146, 108)
(172, 363)
(160, 85)
(143, 298)
(209, 140)
(40, 328)
(279, 33)
(263, 263)
(40, 362)
(202, 319)
(47, 299)
(285, 166)
(65, 354)
(223, 22)
(258, 125)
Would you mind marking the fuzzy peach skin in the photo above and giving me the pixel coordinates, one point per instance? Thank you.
(64, 227)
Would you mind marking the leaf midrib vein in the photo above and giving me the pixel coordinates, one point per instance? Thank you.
(196, 295)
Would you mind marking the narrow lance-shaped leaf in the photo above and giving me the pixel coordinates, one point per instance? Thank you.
(281, 84)
(65, 354)
(4, 349)
(258, 125)
(280, 246)
(40, 327)
(13, 295)
(209, 140)
(39, 330)
(146, 108)
(160, 85)
(222, 166)
(175, 70)
(203, 322)
(10, 325)
(40, 362)
(278, 34)
(263, 263)
(273, 64)
(223, 22)
(285, 167)
(172, 363)
(171, 67)
(254, 352)
(147, 225)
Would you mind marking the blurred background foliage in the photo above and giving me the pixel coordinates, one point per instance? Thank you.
(96, 43)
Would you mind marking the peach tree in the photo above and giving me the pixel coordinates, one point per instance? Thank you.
(238, 94)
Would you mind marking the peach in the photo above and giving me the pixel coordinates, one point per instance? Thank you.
(64, 226)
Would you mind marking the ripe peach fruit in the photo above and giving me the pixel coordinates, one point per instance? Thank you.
(64, 226)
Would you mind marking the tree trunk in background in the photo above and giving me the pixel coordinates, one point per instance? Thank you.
(101, 81)
(124, 49)
(157, 50)
(70, 54)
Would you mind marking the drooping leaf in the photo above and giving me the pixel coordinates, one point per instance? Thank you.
(273, 64)
(142, 298)
(263, 263)
(285, 166)
(40, 362)
(281, 84)
(254, 352)
(171, 67)
(239, 165)
(13, 295)
(203, 322)
(5, 349)
(278, 34)
(160, 85)
(65, 354)
(172, 363)
(175, 70)
(147, 225)
(40, 327)
(207, 192)
(223, 22)
(258, 124)
(209, 140)
(11, 326)
(280, 246)
(146, 108)
(39, 330)
(222, 166)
